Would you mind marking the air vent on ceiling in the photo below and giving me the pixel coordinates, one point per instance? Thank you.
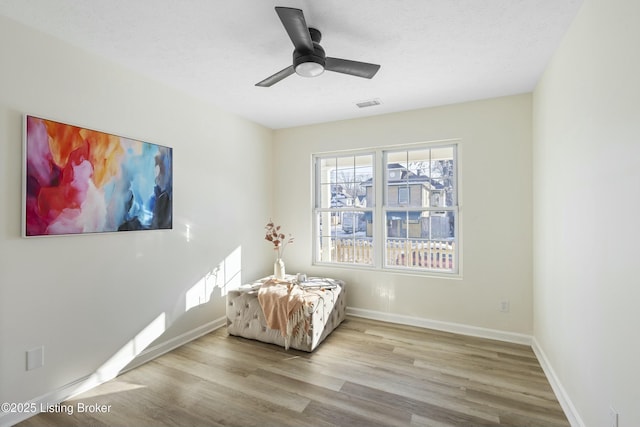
(369, 103)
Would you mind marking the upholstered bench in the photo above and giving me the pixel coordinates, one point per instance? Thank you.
(245, 317)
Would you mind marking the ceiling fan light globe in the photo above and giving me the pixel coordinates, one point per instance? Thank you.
(309, 69)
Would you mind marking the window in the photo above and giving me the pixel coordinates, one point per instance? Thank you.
(343, 213)
(403, 196)
(420, 230)
(415, 226)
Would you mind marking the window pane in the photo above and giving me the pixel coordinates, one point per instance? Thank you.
(327, 170)
(345, 181)
(339, 181)
(408, 183)
(421, 240)
(363, 181)
(442, 174)
(348, 240)
(326, 196)
(428, 255)
(397, 224)
(441, 225)
(345, 224)
(418, 162)
(326, 224)
(437, 196)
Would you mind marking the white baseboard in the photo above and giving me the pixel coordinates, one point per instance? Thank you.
(512, 337)
(93, 380)
(151, 353)
(457, 328)
(561, 394)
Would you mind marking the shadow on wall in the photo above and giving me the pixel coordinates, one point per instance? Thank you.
(225, 276)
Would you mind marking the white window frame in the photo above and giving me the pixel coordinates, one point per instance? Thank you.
(451, 245)
(318, 209)
(380, 208)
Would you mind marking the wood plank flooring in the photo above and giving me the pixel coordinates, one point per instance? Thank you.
(366, 373)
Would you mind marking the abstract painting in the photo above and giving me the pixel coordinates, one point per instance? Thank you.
(79, 181)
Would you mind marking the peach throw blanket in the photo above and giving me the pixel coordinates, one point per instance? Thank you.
(283, 305)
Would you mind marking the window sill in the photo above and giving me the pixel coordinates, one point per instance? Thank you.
(394, 271)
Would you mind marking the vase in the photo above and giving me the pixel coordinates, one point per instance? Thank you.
(278, 269)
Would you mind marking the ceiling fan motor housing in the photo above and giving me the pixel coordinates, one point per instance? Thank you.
(316, 56)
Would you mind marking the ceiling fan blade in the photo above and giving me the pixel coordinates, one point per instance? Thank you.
(296, 26)
(354, 68)
(271, 80)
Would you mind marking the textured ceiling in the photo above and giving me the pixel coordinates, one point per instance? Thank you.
(431, 52)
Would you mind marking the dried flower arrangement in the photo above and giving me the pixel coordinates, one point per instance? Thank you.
(275, 236)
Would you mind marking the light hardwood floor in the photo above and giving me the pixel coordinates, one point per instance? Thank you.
(366, 373)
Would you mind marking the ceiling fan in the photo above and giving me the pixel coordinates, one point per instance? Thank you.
(309, 59)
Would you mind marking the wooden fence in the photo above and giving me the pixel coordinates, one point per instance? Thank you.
(434, 255)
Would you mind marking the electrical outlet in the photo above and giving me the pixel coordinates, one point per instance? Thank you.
(35, 358)
(613, 417)
(504, 306)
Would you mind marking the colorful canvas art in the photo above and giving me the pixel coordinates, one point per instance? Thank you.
(83, 181)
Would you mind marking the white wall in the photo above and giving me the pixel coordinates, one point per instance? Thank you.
(496, 213)
(586, 204)
(84, 298)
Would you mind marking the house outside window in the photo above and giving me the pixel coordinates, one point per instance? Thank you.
(414, 228)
